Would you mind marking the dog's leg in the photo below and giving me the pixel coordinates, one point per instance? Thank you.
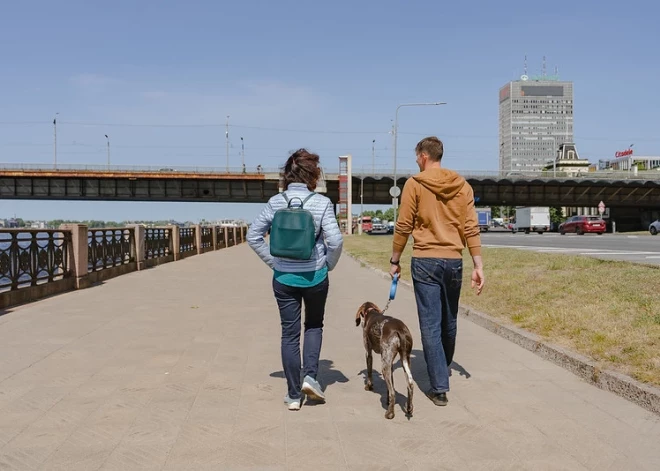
(387, 358)
(370, 360)
(405, 361)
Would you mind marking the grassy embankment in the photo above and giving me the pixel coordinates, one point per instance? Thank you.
(606, 310)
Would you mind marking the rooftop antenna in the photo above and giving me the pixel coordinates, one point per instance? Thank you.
(543, 72)
(525, 64)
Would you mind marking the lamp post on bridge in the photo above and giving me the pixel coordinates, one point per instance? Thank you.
(243, 154)
(108, 141)
(396, 132)
(373, 157)
(55, 141)
(227, 142)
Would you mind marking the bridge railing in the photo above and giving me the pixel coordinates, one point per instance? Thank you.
(40, 262)
(366, 171)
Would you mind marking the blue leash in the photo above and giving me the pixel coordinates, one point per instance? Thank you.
(393, 287)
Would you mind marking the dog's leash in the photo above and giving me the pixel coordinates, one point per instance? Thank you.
(395, 281)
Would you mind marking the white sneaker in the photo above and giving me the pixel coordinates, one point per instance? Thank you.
(292, 404)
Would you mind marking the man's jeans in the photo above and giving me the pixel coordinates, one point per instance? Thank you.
(289, 300)
(437, 283)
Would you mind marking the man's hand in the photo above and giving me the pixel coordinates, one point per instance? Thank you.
(394, 270)
(478, 280)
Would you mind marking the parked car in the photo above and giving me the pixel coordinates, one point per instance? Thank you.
(654, 228)
(582, 225)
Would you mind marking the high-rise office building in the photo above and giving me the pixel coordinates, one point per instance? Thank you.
(536, 116)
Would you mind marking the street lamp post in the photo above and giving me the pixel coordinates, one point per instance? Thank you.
(55, 141)
(396, 133)
(554, 160)
(242, 153)
(361, 204)
(373, 157)
(227, 141)
(108, 140)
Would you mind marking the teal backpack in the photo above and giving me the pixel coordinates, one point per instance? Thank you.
(292, 232)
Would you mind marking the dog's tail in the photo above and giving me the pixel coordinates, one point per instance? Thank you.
(405, 347)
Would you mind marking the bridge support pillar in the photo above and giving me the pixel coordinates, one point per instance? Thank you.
(176, 243)
(235, 239)
(78, 255)
(140, 248)
(226, 232)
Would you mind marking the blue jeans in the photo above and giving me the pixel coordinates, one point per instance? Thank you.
(289, 300)
(437, 283)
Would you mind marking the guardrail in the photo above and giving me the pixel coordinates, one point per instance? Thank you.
(157, 242)
(31, 258)
(40, 262)
(187, 240)
(109, 248)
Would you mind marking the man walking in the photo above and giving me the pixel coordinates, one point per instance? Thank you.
(437, 208)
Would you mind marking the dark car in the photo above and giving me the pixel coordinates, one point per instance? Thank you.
(582, 225)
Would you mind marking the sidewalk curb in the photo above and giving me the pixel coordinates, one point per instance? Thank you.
(641, 394)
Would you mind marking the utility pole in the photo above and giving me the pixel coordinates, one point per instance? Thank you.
(227, 141)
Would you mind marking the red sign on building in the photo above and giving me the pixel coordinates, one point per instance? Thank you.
(623, 153)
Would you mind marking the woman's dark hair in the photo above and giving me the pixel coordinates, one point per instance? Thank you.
(301, 167)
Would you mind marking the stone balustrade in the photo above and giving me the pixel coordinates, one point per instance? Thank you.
(35, 263)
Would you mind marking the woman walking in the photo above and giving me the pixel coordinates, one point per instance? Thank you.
(298, 280)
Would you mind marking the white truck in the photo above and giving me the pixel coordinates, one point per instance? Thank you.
(532, 219)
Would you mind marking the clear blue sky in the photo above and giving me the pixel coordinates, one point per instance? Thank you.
(284, 70)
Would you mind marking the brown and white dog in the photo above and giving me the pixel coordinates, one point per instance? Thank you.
(387, 336)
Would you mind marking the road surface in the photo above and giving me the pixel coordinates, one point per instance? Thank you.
(631, 248)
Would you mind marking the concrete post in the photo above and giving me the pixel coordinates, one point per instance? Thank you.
(215, 237)
(235, 239)
(140, 248)
(176, 243)
(198, 238)
(226, 236)
(78, 253)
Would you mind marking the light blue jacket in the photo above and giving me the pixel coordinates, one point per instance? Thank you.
(328, 247)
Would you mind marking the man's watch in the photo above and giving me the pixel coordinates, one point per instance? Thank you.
(392, 262)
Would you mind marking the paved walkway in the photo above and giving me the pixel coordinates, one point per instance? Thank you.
(178, 367)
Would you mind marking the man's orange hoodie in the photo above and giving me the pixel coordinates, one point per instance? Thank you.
(437, 208)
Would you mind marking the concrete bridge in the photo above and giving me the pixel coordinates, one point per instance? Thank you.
(633, 199)
(20, 181)
(177, 367)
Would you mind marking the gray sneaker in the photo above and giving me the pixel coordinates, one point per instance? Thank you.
(312, 389)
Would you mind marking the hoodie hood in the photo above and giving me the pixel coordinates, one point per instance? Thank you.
(442, 182)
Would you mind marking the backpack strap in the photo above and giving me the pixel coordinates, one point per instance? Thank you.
(308, 197)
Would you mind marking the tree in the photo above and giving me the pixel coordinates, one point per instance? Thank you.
(389, 214)
(556, 215)
(502, 211)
